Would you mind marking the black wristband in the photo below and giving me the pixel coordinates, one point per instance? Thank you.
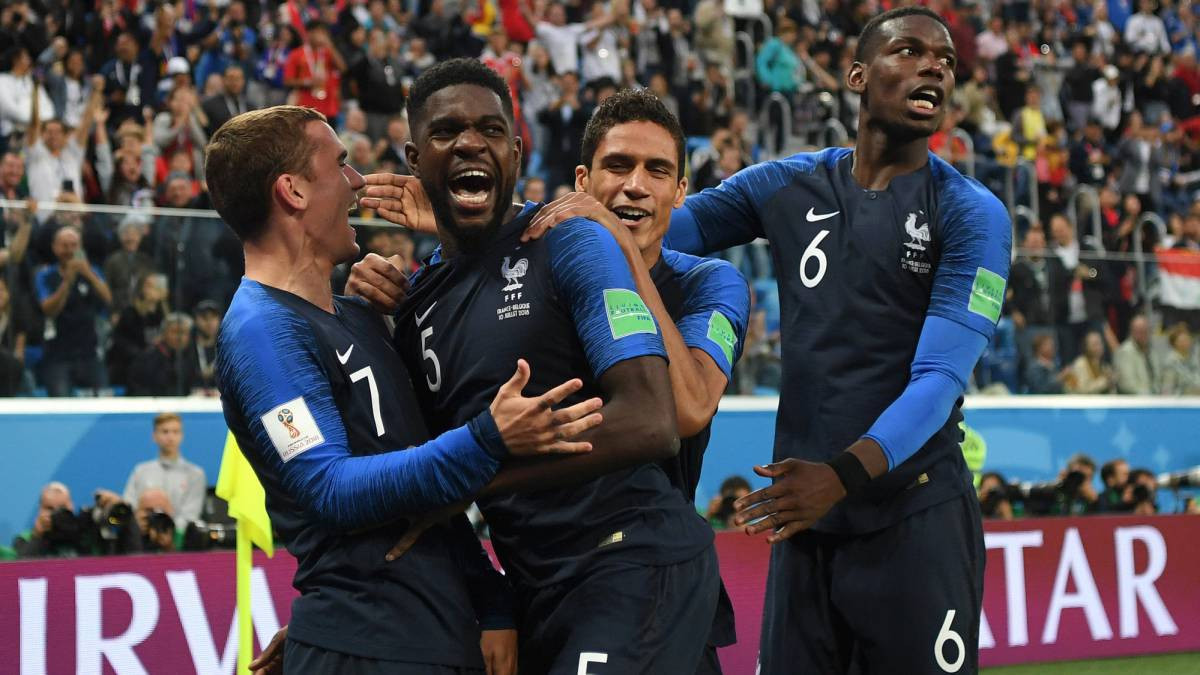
(850, 471)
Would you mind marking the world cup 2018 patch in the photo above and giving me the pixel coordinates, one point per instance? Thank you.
(627, 313)
(292, 428)
(720, 331)
(987, 294)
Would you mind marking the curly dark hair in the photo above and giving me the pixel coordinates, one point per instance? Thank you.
(631, 105)
(868, 40)
(447, 74)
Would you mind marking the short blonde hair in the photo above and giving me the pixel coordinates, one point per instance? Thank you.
(162, 418)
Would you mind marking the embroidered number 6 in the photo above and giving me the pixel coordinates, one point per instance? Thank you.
(813, 252)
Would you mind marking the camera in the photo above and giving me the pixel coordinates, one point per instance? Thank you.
(159, 521)
(65, 530)
(202, 536)
(108, 531)
(1188, 478)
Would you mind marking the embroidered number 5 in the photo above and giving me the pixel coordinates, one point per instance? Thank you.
(434, 383)
(813, 252)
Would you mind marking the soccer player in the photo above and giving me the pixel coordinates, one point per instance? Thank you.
(615, 574)
(629, 180)
(322, 407)
(892, 268)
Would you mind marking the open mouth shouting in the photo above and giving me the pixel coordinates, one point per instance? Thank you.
(632, 216)
(472, 190)
(925, 101)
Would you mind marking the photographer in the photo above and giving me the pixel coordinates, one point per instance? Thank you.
(1143, 493)
(55, 530)
(995, 500)
(1076, 494)
(720, 508)
(1118, 492)
(156, 520)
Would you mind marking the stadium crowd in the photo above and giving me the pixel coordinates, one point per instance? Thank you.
(1081, 116)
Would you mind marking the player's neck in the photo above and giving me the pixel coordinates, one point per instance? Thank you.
(455, 243)
(293, 267)
(878, 157)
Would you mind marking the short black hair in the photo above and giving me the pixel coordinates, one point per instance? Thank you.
(868, 40)
(631, 105)
(452, 72)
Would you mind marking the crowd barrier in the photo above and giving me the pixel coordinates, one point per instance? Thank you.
(1055, 589)
(93, 443)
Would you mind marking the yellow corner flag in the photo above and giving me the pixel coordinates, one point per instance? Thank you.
(238, 485)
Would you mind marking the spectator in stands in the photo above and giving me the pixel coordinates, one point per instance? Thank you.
(168, 366)
(377, 80)
(534, 190)
(1134, 362)
(1117, 496)
(208, 323)
(12, 176)
(180, 128)
(390, 149)
(232, 101)
(776, 63)
(54, 157)
(72, 294)
(564, 121)
(1092, 375)
(138, 326)
(1037, 284)
(183, 483)
(1043, 376)
(714, 33)
(1029, 124)
(1144, 496)
(1180, 372)
(272, 66)
(17, 85)
(128, 264)
(1077, 82)
(1083, 309)
(992, 42)
(1145, 32)
(130, 80)
(51, 534)
(561, 39)
(314, 72)
(1091, 155)
(1140, 156)
(1107, 101)
(156, 521)
(14, 328)
(15, 227)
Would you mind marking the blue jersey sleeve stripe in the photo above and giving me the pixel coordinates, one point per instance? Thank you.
(947, 351)
(586, 261)
(43, 284)
(729, 214)
(713, 286)
(268, 356)
(976, 235)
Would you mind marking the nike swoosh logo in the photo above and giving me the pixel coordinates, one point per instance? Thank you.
(421, 317)
(343, 358)
(814, 218)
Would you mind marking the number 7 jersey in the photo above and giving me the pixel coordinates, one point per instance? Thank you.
(859, 272)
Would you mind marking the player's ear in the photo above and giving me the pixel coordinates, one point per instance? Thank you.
(680, 192)
(289, 190)
(518, 150)
(412, 155)
(856, 77)
(581, 178)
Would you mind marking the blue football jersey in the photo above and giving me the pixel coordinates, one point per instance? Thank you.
(565, 303)
(859, 272)
(302, 391)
